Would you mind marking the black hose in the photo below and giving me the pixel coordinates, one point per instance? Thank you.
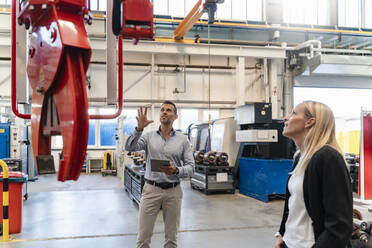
(116, 17)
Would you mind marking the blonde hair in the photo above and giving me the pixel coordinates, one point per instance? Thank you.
(322, 133)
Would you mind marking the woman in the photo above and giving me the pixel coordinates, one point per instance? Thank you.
(319, 203)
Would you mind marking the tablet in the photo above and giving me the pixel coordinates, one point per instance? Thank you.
(156, 163)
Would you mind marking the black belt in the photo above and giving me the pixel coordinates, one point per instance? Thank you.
(162, 185)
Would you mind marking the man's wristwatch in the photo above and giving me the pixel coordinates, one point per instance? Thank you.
(177, 171)
(277, 234)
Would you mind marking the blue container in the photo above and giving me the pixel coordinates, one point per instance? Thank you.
(4, 140)
(260, 178)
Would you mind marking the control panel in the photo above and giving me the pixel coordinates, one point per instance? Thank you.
(15, 148)
(257, 135)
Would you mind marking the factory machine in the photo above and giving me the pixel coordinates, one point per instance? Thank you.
(362, 230)
(9, 141)
(353, 165)
(134, 176)
(129, 166)
(215, 155)
(265, 155)
(11, 148)
(199, 136)
(16, 150)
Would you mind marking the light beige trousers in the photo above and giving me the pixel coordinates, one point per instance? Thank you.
(151, 200)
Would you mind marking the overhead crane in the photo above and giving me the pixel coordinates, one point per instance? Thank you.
(58, 58)
(201, 7)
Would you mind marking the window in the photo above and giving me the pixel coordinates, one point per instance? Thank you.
(239, 10)
(299, 11)
(349, 13)
(58, 142)
(224, 10)
(315, 12)
(107, 132)
(189, 5)
(214, 115)
(368, 13)
(230, 9)
(160, 7)
(107, 128)
(92, 129)
(254, 10)
(94, 4)
(130, 121)
(92, 133)
(323, 13)
(188, 117)
(333, 98)
(177, 8)
(347, 113)
(102, 5)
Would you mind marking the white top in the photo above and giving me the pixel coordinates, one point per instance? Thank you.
(299, 232)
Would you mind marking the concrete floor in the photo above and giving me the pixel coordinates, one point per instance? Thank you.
(96, 211)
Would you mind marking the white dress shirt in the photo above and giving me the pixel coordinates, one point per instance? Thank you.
(299, 232)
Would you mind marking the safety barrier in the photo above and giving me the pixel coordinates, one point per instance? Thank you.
(5, 202)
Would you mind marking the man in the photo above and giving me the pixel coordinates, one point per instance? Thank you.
(162, 189)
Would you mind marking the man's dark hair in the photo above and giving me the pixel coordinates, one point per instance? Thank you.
(171, 103)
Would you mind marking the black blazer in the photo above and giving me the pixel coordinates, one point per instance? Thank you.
(328, 199)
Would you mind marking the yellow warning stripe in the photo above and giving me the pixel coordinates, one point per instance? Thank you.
(5, 198)
(4, 10)
(5, 202)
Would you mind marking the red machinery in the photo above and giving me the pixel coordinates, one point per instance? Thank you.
(59, 55)
(137, 19)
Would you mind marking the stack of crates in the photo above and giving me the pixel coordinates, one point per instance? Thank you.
(213, 179)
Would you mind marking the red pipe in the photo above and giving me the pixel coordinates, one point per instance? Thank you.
(14, 75)
(120, 83)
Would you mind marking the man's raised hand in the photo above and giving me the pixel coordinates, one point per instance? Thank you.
(142, 120)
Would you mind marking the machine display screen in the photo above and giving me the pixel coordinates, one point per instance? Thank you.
(194, 137)
(203, 139)
(217, 137)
